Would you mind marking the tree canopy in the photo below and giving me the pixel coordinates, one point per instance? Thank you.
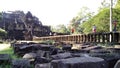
(60, 29)
(101, 20)
(118, 4)
(82, 16)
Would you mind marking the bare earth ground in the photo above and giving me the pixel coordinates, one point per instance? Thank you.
(4, 46)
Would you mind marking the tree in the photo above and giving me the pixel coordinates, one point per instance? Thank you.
(104, 4)
(118, 4)
(60, 29)
(82, 16)
(101, 21)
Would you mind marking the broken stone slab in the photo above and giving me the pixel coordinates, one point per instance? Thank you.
(61, 56)
(45, 65)
(46, 54)
(79, 62)
(80, 46)
(80, 55)
(46, 47)
(66, 47)
(26, 49)
(92, 48)
(106, 56)
(77, 46)
(117, 65)
(99, 51)
(114, 50)
(54, 51)
(20, 63)
(40, 53)
(110, 58)
(30, 56)
(79, 51)
(17, 47)
(5, 58)
(40, 60)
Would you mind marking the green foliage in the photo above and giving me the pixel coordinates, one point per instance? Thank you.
(60, 29)
(82, 16)
(10, 52)
(118, 4)
(101, 21)
(3, 33)
(104, 4)
(12, 55)
(84, 21)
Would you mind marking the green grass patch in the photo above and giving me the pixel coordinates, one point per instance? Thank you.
(10, 52)
(7, 50)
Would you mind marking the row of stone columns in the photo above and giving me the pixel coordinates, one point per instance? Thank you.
(84, 38)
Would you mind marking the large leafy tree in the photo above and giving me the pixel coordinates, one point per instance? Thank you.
(118, 4)
(60, 29)
(101, 21)
(104, 4)
(81, 17)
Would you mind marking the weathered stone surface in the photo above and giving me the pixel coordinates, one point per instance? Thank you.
(110, 58)
(66, 47)
(46, 47)
(61, 56)
(93, 47)
(39, 60)
(22, 49)
(5, 58)
(45, 54)
(55, 51)
(80, 55)
(20, 63)
(114, 50)
(45, 65)
(77, 46)
(79, 62)
(79, 51)
(117, 65)
(99, 51)
(30, 56)
(40, 53)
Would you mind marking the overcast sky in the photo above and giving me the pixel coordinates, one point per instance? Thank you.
(50, 12)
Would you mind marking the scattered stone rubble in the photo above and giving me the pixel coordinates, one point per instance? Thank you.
(5, 58)
(20, 63)
(49, 56)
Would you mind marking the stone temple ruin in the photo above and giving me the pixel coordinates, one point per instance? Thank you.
(21, 26)
(61, 55)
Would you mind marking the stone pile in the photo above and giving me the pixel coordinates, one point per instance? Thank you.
(5, 58)
(50, 56)
(20, 63)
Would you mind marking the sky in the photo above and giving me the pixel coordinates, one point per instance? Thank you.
(51, 12)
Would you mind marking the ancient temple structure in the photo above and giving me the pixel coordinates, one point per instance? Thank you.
(21, 26)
